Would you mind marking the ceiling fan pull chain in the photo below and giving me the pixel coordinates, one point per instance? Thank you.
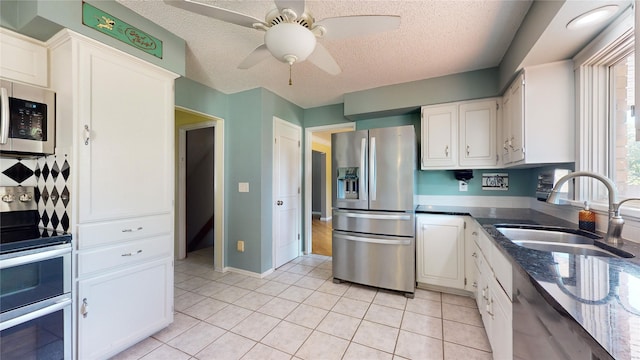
(290, 83)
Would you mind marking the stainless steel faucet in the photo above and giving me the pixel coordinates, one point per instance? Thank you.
(616, 222)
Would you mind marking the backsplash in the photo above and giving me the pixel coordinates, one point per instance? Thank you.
(50, 175)
(53, 185)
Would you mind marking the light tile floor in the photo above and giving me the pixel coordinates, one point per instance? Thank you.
(297, 312)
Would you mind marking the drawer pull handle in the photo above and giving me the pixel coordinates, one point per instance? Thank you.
(132, 254)
(132, 230)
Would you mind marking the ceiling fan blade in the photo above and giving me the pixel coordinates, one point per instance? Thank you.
(215, 12)
(296, 5)
(321, 58)
(257, 55)
(341, 27)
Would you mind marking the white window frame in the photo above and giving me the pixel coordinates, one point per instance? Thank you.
(594, 146)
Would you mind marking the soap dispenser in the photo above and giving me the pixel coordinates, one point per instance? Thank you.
(587, 219)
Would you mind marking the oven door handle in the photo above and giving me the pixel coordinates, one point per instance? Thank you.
(4, 116)
(30, 258)
(61, 304)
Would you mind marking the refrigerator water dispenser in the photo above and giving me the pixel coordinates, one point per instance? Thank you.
(348, 185)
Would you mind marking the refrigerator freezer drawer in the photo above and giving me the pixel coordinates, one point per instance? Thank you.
(375, 222)
(382, 261)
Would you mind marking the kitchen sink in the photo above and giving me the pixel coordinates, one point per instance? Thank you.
(556, 239)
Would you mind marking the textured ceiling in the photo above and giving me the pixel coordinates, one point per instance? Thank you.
(435, 38)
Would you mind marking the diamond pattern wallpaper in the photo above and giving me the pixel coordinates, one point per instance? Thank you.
(53, 184)
(14, 172)
(51, 176)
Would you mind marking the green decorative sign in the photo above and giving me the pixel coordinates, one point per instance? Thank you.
(114, 27)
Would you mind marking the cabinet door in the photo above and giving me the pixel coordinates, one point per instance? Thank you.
(439, 136)
(440, 249)
(125, 154)
(478, 121)
(516, 122)
(501, 335)
(506, 126)
(115, 311)
(23, 59)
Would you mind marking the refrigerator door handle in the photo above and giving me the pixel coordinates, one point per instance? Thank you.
(373, 169)
(372, 216)
(374, 240)
(362, 187)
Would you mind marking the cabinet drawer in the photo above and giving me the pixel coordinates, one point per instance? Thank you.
(115, 232)
(485, 245)
(503, 271)
(130, 252)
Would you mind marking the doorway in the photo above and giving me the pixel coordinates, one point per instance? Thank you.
(199, 191)
(200, 187)
(318, 225)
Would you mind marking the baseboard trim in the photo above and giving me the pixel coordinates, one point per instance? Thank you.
(248, 273)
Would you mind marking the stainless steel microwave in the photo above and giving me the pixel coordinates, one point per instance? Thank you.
(27, 119)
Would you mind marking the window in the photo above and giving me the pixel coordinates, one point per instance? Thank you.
(625, 129)
(608, 136)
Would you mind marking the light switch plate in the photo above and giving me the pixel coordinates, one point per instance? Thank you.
(463, 186)
(243, 187)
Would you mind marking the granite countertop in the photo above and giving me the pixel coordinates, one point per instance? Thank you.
(600, 294)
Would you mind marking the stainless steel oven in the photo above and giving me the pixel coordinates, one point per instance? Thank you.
(35, 299)
(35, 282)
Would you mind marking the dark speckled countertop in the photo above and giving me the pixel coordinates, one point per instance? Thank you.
(600, 294)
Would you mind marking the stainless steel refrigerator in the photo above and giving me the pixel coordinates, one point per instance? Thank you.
(373, 239)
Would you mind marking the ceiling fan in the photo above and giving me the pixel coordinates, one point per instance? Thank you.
(291, 31)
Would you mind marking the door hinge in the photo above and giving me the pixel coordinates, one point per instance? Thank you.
(298, 236)
(465, 281)
(298, 143)
(497, 158)
(298, 190)
(497, 106)
(465, 224)
(275, 141)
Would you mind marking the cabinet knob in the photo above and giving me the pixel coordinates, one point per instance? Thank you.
(446, 150)
(475, 255)
(468, 150)
(279, 203)
(84, 309)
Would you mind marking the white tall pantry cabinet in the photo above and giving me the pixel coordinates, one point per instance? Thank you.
(115, 121)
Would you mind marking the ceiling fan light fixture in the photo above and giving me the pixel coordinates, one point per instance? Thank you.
(592, 17)
(290, 41)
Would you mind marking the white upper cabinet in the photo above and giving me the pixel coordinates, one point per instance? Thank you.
(23, 59)
(118, 118)
(439, 136)
(478, 129)
(539, 116)
(459, 135)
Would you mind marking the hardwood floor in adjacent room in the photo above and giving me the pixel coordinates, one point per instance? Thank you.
(321, 236)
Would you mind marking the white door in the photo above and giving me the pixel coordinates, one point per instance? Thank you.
(286, 191)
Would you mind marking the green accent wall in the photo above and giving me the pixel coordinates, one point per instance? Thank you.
(407, 97)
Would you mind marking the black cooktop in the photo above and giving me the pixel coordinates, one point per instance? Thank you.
(19, 231)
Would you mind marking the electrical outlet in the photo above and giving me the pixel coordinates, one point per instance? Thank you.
(240, 246)
(463, 186)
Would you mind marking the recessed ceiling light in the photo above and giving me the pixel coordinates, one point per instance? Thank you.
(592, 17)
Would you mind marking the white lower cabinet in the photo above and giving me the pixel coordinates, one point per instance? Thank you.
(494, 303)
(120, 308)
(440, 249)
